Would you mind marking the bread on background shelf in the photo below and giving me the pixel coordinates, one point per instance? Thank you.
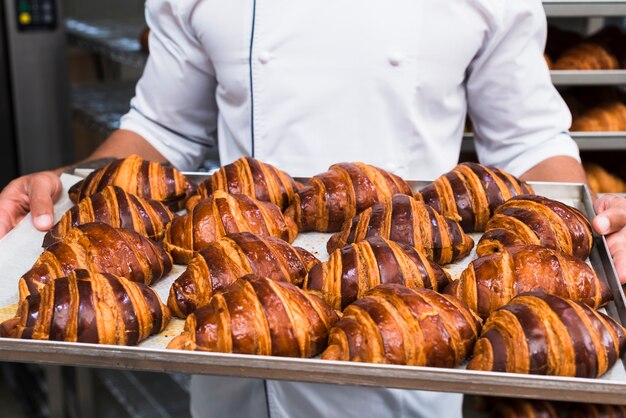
(601, 181)
(604, 50)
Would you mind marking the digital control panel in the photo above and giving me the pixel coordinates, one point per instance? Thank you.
(35, 14)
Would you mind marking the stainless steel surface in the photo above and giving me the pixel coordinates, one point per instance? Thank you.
(581, 8)
(588, 78)
(116, 39)
(152, 356)
(39, 86)
(8, 156)
(100, 106)
(587, 141)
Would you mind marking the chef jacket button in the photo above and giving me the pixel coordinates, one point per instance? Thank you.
(395, 59)
(264, 57)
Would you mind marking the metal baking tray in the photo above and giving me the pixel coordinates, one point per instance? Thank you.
(151, 355)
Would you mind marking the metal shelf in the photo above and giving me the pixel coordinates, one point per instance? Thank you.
(588, 77)
(587, 141)
(101, 106)
(115, 39)
(580, 8)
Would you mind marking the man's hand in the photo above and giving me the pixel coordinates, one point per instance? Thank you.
(36, 193)
(611, 221)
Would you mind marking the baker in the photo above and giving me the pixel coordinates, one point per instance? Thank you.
(302, 85)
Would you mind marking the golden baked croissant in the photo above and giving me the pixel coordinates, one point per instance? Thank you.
(587, 56)
(537, 220)
(608, 116)
(90, 308)
(588, 410)
(538, 333)
(398, 325)
(140, 177)
(489, 282)
(98, 247)
(231, 257)
(470, 193)
(411, 222)
(115, 207)
(601, 181)
(250, 177)
(354, 269)
(256, 315)
(223, 214)
(521, 408)
(337, 195)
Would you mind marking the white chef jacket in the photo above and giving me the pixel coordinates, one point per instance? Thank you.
(304, 84)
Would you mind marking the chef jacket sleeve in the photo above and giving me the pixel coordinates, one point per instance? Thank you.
(174, 107)
(518, 117)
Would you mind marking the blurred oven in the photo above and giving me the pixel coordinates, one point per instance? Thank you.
(34, 90)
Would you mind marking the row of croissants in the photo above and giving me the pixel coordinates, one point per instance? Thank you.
(527, 304)
(525, 408)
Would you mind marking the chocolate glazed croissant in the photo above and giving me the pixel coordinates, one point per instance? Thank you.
(256, 315)
(90, 308)
(354, 269)
(489, 282)
(470, 193)
(223, 214)
(115, 207)
(250, 177)
(411, 222)
(140, 177)
(538, 333)
(397, 325)
(98, 247)
(531, 219)
(232, 257)
(337, 195)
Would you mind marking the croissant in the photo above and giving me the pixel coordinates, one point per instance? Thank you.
(223, 214)
(538, 333)
(335, 196)
(354, 269)
(489, 282)
(90, 308)
(601, 181)
(232, 257)
(250, 177)
(256, 315)
(608, 116)
(470, 193)
(587, 56)
(522, 408)
(98, 247)
(537, 220)
(398, 325)
(581, 410)
(411, 222)
(140, 177)
(117, 208)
